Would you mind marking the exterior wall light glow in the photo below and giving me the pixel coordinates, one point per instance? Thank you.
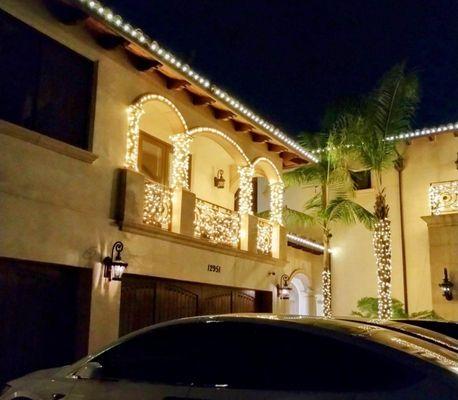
(446, 286)
(114, 267)
(219, 180)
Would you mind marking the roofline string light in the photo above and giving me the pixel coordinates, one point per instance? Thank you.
(139, 37)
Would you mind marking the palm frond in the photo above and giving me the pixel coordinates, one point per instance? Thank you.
(294, 219)
(347, 211)
(308, 174)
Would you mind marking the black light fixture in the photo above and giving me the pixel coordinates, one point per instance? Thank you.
(284, 288)
(219, 180)
(446, 286)
(114, 267)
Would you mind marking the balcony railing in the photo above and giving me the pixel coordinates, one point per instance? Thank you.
(157, 210)
(216, 224)
(264, 236)
(152, 209)
(443, 197)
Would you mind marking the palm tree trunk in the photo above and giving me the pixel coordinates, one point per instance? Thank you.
(382, 250)
(326, 277)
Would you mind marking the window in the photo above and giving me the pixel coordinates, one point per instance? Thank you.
(153, 158)
(361, 179)
(47, 87)
(252, 356)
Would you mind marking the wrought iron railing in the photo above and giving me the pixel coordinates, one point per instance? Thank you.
(157, 209)
(443, 197)
(216, 224)
(264, 236)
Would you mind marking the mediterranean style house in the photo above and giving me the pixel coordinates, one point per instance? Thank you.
(422, 193)
(107, 137)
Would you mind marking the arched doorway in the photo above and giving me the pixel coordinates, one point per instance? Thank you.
(301, 299)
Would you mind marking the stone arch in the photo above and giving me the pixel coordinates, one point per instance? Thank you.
(267, 168)
(135, 112)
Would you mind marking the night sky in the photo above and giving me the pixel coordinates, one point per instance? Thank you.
(291, 59)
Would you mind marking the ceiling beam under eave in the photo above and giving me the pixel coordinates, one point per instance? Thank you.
(299, 161)
(65, 12)
(287, 156)
(102, 35)
(142, 63)
(276, 148)
(432, 138)
(240, 126)
(176, 84)
(200, 100)
(259, 137)
(223, 115)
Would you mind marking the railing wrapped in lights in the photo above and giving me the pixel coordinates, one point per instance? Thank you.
(264, 236)
(216, 224)
(157, 209)
(443, 197)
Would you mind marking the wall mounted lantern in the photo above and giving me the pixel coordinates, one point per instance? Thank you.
(284, 287)
(219, 180)
(114, 267)
(446, 286)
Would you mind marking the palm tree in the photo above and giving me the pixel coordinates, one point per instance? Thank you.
(388, 112)
(332, 203)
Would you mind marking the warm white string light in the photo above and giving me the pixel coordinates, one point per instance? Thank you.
(305, 242)
(264, 236)
(425, 131)
(327, 299)
(158, 205)
(117, 23)
(382, 246)
(217, 224)
(246, 189)
(443, 197)
(134, 113)
(276, 202)
(180, 160)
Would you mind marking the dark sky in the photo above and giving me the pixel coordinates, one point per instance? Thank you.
(290, 59)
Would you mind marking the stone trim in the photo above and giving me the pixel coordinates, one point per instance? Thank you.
(38, 139)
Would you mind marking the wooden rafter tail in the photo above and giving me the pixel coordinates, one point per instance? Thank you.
(65, 12)
(104, 36)
(223, 115)
(240, 126)
(259, 137)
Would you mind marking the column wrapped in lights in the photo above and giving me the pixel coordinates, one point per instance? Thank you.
(326, 282)
(382, 247)
(246, 174)
(134, 112)
(180, 160)
(276, 202)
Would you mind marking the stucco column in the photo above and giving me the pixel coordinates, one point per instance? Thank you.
(132, 197)
(183, 209)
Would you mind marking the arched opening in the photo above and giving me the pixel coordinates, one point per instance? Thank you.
(269, 188)
(301, 301)
(153, 119)
(212, 154)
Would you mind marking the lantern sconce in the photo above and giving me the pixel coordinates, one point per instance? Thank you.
(284, 287)
(114, 267)
(219, 180)
(446, 286)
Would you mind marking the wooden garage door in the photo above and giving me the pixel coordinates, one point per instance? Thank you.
(146, 300)
(44, 311)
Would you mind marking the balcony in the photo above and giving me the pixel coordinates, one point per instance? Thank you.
(443, 197)
(152, 209)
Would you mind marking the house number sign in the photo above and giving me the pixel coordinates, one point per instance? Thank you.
(214, 268)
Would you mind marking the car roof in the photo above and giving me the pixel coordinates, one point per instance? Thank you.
(358, 332)
(419, 331)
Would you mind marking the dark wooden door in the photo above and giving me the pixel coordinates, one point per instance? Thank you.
(44, 311)
(147, 300)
